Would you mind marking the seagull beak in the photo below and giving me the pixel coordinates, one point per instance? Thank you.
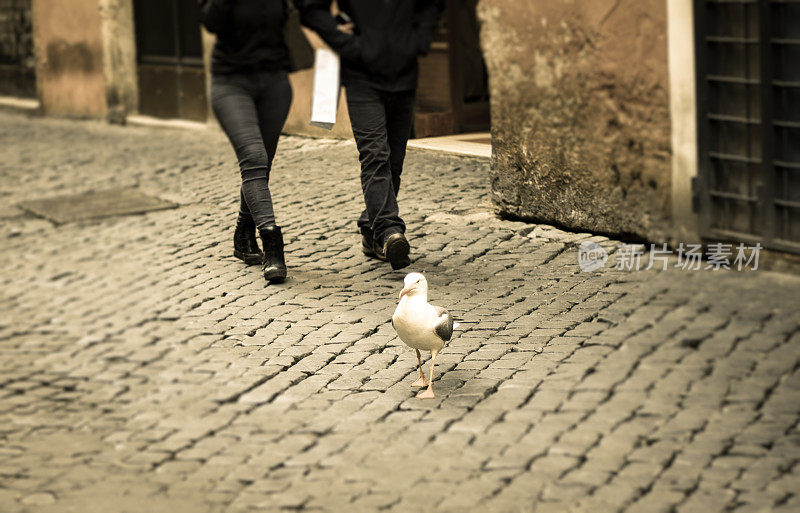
(403, 292)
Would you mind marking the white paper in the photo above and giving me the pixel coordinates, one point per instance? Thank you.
(325, 100)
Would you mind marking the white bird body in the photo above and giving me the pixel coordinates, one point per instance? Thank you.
(412, 320)
(421, 325)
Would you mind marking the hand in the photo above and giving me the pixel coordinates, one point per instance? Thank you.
(347, 28)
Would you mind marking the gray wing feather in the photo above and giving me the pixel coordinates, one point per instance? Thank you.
(444, 328)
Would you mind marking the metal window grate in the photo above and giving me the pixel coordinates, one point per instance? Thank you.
(748, 69)
(17, 62)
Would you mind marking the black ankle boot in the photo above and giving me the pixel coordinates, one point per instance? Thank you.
(245, 246)
(274, 265)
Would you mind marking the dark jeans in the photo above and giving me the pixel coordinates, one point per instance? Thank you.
(251, 108)
(381, 123)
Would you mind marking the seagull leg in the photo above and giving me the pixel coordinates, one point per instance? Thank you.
(428, 393)
(422, 381)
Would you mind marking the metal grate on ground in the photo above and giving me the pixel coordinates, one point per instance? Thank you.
(93, 205)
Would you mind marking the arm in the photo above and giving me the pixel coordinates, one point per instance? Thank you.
(316, 15)
(215, 14)
(427, 18)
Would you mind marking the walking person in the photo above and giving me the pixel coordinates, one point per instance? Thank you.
(379, 42)
(250, 96)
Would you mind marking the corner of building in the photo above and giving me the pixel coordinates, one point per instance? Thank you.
(119, 58)
(683, 117)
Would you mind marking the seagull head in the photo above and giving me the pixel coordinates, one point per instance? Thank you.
(414, 284)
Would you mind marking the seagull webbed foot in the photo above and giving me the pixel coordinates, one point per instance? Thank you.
(421, 381)
(427, 393)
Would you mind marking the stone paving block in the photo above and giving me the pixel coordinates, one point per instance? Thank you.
(656, 502)
(707, 500)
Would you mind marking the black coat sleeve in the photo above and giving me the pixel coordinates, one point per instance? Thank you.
(316, 15)
(427, 18)
(215, 15)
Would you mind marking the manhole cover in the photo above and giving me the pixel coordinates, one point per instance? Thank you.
(91, 205)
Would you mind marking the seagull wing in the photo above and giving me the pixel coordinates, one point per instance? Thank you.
(444, 324)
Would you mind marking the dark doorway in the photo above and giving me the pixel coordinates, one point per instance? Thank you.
(172, 79)
(17, 62)
(748, 186)
(453, 93)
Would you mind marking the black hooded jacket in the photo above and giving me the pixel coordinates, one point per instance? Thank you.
(389, 36)
(249, 35)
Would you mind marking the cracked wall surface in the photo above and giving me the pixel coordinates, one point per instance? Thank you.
(580, 120)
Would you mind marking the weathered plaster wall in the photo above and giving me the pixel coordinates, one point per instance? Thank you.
(68, 41)
(683, 115)
(580, 114)
(119, 57)
(208, 46)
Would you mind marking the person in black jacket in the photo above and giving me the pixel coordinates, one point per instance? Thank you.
(379, 51)
(250, 96)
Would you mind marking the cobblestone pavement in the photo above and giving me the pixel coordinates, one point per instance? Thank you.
(143, 369)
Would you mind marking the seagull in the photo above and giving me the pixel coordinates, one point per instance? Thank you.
(421, 325)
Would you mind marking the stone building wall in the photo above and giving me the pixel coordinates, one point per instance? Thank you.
(119, 57)
(580, 113)
(70, 66)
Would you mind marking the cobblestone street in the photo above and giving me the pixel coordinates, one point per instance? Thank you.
(144, 369)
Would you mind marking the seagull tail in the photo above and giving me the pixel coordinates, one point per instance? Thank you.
(456, 325)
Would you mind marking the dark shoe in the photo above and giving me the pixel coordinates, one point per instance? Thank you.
(395, 250)
(273, 263)
(245, 247)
